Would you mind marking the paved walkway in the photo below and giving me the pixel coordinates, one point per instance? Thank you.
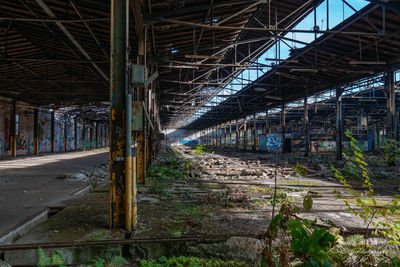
(29, 185)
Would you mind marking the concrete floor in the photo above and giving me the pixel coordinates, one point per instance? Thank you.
(29, 185)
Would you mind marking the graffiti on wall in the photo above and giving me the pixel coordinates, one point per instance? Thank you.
(269, 142)
(322, 146)
(189, 142)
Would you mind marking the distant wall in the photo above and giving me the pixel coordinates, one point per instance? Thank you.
(24, 131)
(182, 137)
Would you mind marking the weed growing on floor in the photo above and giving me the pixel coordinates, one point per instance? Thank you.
(54, 259)
(187, 171)
(392, 151)
(363, 208)
(302, 238)
(164, 173)
(115, 261)
(199, 150)
(189, 262)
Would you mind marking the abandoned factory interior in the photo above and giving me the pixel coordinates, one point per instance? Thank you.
(226, 133)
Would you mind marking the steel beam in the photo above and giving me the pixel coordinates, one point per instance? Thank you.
(65, 134)
(84, 136)
(118, 190)
(35, 131)
(391, 106)
(91, 137)
(52, 131)
(97, 135)
(339, 123)
(254, 132)
(13, 130)
(245, 135)
(75, 134)
(306, 126)
(283, 128)
(237, 135)
(60, 25)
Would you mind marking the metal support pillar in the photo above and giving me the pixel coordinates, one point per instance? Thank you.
(13, 130)
(101, 135)
(339, 124)
(245, 135)
(52, 131)
(237, 134)
(91, 137)
(96, 142)
(65, 134)
(306, 127)
(267, 129)
(225, 135)
(84, 136)
(220, 135)
(35, 131)
(122, 188)
(283, 128)
(254, 133)
(75, 134)
(230, 134)
(391, 106)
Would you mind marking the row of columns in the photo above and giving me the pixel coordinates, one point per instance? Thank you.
(100, 133)
(392, 125)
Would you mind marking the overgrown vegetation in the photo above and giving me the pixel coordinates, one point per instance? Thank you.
(199, 150)
(392, 151)
(371, 214)
(184, 261)
(302, 238)
(54, 259)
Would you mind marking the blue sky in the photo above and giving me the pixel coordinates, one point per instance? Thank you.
(338, 12)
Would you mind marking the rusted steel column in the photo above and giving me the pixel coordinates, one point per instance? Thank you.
(283, 128)
(254, 133)
(306, 128)
(237, 134)
(91, 136)
(35, 131)
(96, 135)
(245, 134)
(220, 135)
(75, 134)
(52, 131)
(117, 197)
(84, 136)
(102, 135)
(230, 134)
(13, 130)
(339, 123)
(65, 133)
(391, 106)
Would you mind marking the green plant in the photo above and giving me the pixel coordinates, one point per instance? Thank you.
(183, 261)
(187, 170)
(115, 261)
(200, 149)
(392, 151)
(365, 202)
(54, 259)
(310, 245)
(164, 172)
(307, 242)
